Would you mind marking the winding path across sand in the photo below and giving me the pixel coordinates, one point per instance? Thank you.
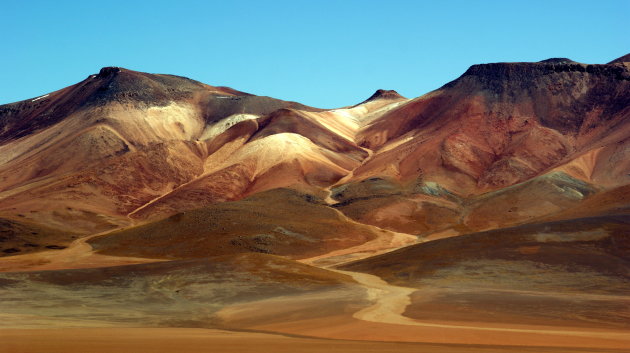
(390, 302)
(79, 254)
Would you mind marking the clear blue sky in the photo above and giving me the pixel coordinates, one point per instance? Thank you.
(321, 53)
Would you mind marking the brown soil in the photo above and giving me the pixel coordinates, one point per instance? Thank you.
(141, 340)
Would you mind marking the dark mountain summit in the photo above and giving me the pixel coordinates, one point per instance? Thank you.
(558, 61)
(384, 94)
(115, 85)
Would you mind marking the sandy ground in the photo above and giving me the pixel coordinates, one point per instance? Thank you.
(384, 320)
(380, 322)
(78, 254)
(385, 241)
(390, 302)
(142, 340)
(464, 333)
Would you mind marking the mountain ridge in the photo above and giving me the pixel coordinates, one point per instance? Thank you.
(496, 125)
(492, 211)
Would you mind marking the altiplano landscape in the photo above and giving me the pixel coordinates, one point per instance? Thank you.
(154, 213)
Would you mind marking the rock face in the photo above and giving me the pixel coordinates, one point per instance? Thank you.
(500, 124)
(123, 147)
(496, 126)
(108, 71)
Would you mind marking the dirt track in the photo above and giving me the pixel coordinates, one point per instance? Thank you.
(383, 320)
(78, 255)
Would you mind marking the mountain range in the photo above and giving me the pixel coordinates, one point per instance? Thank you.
(493, 211)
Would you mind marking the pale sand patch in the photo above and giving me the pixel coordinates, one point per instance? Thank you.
(383, 321)
(385, 241)
(347, 122)
(265, 153)
(442, 234)
(342, 122)
(176, 121)
(215, 129)
(78, 255)
(390, 301)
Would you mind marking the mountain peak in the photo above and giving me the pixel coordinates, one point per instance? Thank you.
(494, 76)
(108, 71)
(557, 61)
(384, 94)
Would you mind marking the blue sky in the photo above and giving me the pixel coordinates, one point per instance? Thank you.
(321, 53)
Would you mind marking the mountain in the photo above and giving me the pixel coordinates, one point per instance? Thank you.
(104, 147)
(495, 127)
(123, 143)
(492, 211)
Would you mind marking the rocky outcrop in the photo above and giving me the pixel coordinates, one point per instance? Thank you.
(384, 94)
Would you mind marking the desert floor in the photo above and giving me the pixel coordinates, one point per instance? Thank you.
(142, 340)
(377, 327)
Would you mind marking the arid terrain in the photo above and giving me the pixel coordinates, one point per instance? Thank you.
(154, 213)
